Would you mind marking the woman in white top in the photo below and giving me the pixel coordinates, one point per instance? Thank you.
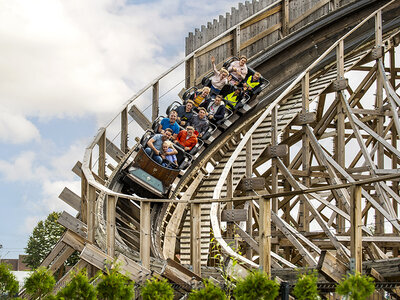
(219, 79)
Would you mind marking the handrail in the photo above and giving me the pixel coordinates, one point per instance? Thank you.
(218, 189)
(189, 56)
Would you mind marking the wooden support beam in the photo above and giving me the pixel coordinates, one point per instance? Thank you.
(285, 17)
(73, 224)
(195, 236)
(277, 151)
(145, 234)
(155, 104)
(236, 41)
(111, 224)
(234, 215)
(124, 130)
(71, 199)
(180, 275)
(251, 184)
(91, 213)
(139, 117)
(305, 118)
(102, 156)
(265, 235)
(355, 230)
(112, 150)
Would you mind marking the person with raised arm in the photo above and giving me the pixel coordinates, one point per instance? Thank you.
(219, 79)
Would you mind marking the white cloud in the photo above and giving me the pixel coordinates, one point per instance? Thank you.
(15, 128)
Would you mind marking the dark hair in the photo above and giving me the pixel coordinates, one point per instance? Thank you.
(169, 129)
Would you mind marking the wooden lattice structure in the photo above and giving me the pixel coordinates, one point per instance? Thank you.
(309, 176)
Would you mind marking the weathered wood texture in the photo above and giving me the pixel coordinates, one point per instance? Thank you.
(260, 24)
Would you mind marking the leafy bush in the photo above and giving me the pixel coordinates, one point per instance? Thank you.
(157, 289)
(306, 286)
(39, 283)
(79, 288)
(115, 286)
(356, 286)
(8, 283)
(256, 285)
(209, 292)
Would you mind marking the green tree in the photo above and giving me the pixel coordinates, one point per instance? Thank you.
(306, 286)
(256, 286)
(44, 237)
(356, 286)
(115, 286)
(157, 289)
(79, 288)
(39, 283)
(209, 292)
(8, 283)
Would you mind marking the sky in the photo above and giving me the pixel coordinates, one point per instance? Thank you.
(66, 68)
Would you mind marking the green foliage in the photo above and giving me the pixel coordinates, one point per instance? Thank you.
(157, 289)
(256, 285)
(39, 283)
(8, 283)
(44, 237)
(115, 286)
(209, 292)
(306, 286)
(79, 288)
(356, 286)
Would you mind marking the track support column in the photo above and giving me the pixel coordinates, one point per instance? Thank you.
(145, 234)
(356, 234)
(265, 235)
(195, 226)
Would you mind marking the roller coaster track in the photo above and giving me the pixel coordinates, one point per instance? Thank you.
(362, 134)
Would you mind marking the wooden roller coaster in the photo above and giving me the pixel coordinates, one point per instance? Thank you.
(305, 175)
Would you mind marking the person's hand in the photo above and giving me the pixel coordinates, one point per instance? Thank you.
(187, 148)
(210, 116)
(183, 123)
(213, 59)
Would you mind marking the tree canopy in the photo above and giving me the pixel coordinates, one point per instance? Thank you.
(43, 238)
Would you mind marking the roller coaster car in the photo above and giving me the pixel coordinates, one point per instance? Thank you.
(146, 173)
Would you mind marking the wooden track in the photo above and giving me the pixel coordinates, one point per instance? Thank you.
(335, 132)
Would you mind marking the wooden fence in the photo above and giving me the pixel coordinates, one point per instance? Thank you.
(250, 29)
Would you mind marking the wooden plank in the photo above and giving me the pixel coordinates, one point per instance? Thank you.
(260, 36)
(71, 198)
(262, 16)
(251, 184)
(112, 150)
(139, 117)
(102, 156)
(180, 275)
(331, 267)
(234, 215)
(124, 130)
(73, 240)
(195, 241)
(309, 12)
(355, 230)
(73, 224)
(305, 118)
(265, 235)
(111, 225)
(132, 269)
(53, 253)
(145, 234)
(61, 258)
(155, 104)
(215, 45)
(247, 238)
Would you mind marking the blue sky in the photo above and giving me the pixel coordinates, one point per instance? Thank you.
(67, 66)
